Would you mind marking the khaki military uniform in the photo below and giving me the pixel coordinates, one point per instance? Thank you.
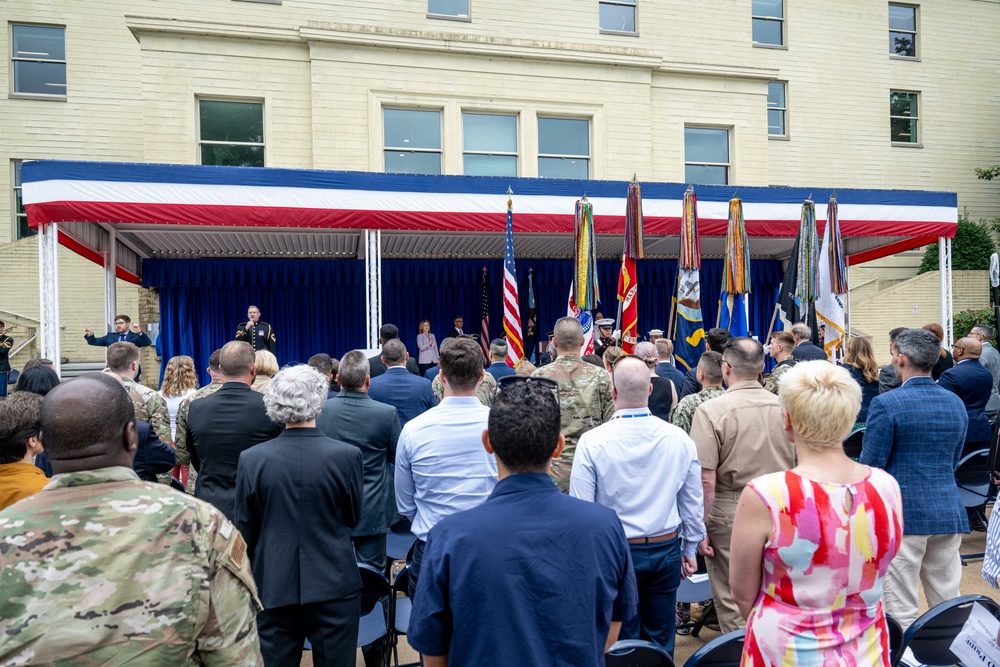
(584, 403)
(101, 568)
(683, 414)
(772, 381)
(485, 390)
(180, 437)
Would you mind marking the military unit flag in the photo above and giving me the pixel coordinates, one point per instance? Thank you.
(688, 327)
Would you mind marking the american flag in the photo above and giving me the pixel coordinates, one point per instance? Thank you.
(484, 331)
(511, 307)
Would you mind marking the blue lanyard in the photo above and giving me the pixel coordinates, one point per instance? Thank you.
(633, 416)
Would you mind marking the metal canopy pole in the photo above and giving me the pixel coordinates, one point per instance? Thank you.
(48, 289)
(944, 271)
(373, 285)
(110, 287)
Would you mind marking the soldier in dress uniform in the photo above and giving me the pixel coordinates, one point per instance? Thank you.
(6, 345)
(259, 334)
(605, 339)
(102, 568)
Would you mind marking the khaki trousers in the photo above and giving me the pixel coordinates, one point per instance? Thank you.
(931, 560)
(719, 524)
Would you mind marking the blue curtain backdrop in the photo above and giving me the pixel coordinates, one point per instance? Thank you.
(318, 305)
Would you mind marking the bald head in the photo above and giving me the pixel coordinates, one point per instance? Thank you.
(568, 335)
(237, 361)
(78, 437)
(631, 384)
(968, 348)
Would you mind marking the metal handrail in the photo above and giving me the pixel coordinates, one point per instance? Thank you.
(20, 317)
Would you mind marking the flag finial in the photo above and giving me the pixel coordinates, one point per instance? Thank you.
(509, 191)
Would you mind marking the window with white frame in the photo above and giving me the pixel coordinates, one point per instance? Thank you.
(21, 228)
(231, 133)
(412, 141)
(454, 9)
(768, 22)
(617, 15)
(489, 144)
(904, 117)
(777, 110)
(38, 60)
(563, 148)
(706, 155)
(903, 30)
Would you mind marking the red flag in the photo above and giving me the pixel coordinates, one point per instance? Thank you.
(627, 288)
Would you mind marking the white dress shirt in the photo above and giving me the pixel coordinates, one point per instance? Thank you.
(441, 465)
(647, 471)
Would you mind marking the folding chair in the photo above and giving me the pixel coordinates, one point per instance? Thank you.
(637, 653)
(696, 588)
(974, 477)
(852, 444)
(895, 637)
(724, 651)
(399, 614)
(374, 587)
(931, 635)
(397, 546)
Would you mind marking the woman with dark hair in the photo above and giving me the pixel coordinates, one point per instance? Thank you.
(945, 361)
(859, 361)
(37, 378)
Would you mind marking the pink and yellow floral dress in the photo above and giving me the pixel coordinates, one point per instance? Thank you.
(821, 595)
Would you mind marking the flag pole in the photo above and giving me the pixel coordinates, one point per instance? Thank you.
(770, 328)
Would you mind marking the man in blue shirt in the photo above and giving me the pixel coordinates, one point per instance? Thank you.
(548, 576)
(498, 367)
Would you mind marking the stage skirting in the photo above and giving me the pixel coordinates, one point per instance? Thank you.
(318, 305)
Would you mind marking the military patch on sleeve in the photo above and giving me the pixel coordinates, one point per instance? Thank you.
(236, 551)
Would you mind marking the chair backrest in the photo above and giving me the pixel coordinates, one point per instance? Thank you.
(974, 477)
(402, 582)
(724, 651)
(931, 635)
(895, 636)
(374, 586)
(852, 444)
(637, 653)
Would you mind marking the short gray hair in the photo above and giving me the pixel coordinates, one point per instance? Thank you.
(921, 347)
(354, 368)
(295, 394)
(498, 348)
(802, 330)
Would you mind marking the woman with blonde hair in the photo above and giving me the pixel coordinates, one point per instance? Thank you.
(179, 381)
(524, 367)
(266, 365)
(812, 545)
(945, 360)
(611, 354)
(663, 398)
(859, 361)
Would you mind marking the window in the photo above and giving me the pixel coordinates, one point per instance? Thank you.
(231, 133)
(490, 144)
(903, 30)
(776, 109)
(38, 56)
(706, 156)
(21, 228)
(768, 22)
(456, 9)
(618, 15)
(563, 148)
(412, 141)
(903, 117)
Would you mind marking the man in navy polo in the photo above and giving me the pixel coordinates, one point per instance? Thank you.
(502, 565)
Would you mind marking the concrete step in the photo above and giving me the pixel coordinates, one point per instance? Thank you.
(77, 368)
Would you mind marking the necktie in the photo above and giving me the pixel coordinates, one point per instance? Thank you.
(121, 338)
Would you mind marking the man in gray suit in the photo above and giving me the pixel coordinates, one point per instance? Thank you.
(991, 359)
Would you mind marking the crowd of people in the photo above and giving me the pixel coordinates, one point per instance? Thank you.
(555, 509)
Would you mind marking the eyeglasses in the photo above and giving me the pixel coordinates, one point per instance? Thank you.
(120, 322)
(726, 362)
(545, 383)
(958, 347)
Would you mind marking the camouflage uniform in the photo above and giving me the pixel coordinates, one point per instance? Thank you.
(683, 414)
(584, 403)
(772, 381)
(485, 390)
(180, 435)
(101, 568)
(150, 407)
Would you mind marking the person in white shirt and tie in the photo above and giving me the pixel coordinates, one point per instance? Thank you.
(648, 472)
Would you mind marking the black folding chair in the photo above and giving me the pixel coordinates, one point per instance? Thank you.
(399, 614)
(852, 444)
(931, 635)
(724, 651)
(637, 653)
(374, 587)
(698, 590)
(974, 476)
(895, 637)
(398, 543)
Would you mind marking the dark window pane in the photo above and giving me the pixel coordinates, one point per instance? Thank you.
(23, 230)
(19, 203)
(485, 132)
(406, 162)
(232, 156)
(902, 18)
(768, 8)
(903, 44)
(776, 122)
(39, 42)
(490, 165)
(903, 130)
(618, 17)
(563, 167)
(405, 128)
(702, 175)
(706, 145)
(232, 121)
(776, 94)
(903, 104)
(563, 136)
(767, 31)
(448, 7)
(39, 78)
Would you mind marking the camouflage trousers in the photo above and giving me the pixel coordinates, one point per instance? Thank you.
(560, 470)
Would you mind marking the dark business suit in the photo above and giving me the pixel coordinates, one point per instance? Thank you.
(138, 339)
(455, 333)
(219, 428)
(806, 351)
(972, 382)
(376, 366)
(666, 369)
(152, 457)
(410, 394)
(297, 497)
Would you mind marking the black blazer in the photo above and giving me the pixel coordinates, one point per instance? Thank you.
(376, 366)
(297, 496)
(972, 382)
(137, 339)
(806, 351)
(219, 428)
(355, 418)
(152, 456)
